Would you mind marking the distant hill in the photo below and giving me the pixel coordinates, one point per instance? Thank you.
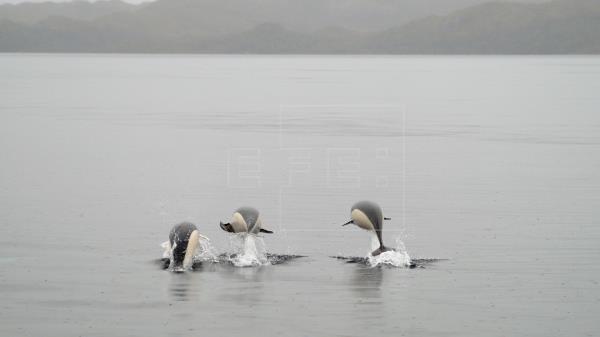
(297, 15)
(316, 26)
(558, 27)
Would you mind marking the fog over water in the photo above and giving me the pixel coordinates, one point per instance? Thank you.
(488, 163)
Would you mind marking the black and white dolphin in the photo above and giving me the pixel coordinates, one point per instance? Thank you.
(182, 245)
(245, 220)
(368, 215)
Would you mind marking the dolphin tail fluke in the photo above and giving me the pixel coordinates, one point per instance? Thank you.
(262, 230)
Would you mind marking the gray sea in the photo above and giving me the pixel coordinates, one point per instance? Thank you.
(488, 166)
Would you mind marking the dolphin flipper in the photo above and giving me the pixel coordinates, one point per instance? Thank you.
(163, 263)
(226, 227)
(262, 230)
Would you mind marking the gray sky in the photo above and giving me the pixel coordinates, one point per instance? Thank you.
(139, 1)
(18, 1)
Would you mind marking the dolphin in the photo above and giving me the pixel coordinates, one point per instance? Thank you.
(368, 215)
(245, 220)
(182, 245)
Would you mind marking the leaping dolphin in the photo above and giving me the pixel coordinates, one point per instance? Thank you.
(368, 215)
(245, 220)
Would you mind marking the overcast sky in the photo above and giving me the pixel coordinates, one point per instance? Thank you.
(17, 1)
(138, 1)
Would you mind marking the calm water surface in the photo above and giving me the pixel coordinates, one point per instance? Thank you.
(491, 163)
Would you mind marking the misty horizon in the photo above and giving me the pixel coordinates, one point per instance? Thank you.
(280, 27)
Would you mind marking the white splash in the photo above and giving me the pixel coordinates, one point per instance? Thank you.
(167, 247)
(250, 251)
(397, 258)
(205, 252)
